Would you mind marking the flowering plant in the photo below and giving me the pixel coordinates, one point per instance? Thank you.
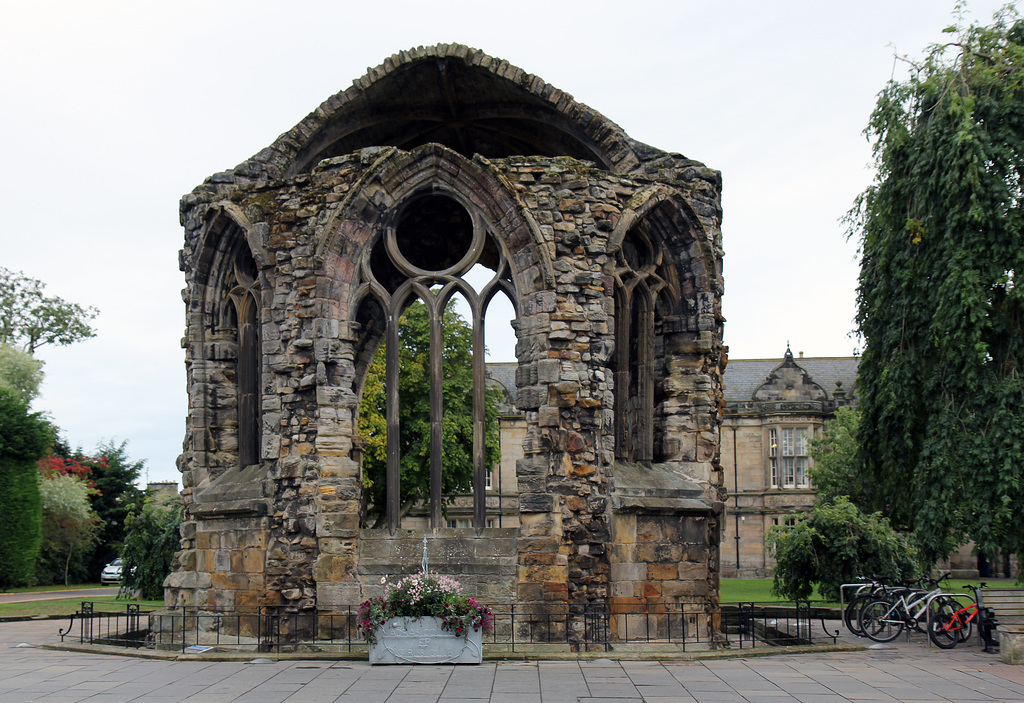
(426, 594)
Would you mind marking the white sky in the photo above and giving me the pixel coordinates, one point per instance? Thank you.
(112, 110)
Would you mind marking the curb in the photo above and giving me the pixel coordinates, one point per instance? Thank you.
(495, 657)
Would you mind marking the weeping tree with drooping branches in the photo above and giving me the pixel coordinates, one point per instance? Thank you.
(940, 306)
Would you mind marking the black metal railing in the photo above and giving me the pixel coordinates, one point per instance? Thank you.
(599, 626)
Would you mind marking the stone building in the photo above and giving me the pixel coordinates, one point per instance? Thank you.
(773, 408)
(298, 262)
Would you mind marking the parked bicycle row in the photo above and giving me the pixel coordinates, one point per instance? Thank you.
(881, 611)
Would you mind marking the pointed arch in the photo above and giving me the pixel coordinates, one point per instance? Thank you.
(425, 221)
(225, 292)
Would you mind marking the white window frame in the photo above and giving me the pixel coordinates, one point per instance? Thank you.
(788, 456)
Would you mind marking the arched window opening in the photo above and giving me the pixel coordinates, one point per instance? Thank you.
(249, 401)
(242, 310)
(634, 373)
(440, 423)
(639, 360)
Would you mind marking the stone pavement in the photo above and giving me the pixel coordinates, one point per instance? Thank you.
(908, 671)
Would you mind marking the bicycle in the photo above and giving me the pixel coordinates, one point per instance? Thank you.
(883, 620)
(951, 625)
(871, 589)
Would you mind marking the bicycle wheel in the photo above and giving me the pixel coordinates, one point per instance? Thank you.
(851, 616)
(878, 623)
(945, 625)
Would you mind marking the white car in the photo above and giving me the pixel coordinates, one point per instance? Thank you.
(111, 573)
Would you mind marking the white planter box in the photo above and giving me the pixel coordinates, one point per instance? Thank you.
(422, 641)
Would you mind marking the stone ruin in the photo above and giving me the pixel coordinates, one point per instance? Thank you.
(298, 263)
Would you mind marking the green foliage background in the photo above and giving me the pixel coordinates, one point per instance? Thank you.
(152, 536)
(20, 372)
(414, 413)
(939, 301)
(70, 528)
(835, 544)
(114, 474)
(24, 437)
(834, 471)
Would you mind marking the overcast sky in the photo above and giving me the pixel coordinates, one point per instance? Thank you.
(112, 110)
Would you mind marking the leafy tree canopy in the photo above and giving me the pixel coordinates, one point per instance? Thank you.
(20, 372)
(24, 437)
(939, 308)
(31, 319)
(834, 471)
(151, 538)
(414, 392)
(70, 526)
(115, 476)
(832, 546)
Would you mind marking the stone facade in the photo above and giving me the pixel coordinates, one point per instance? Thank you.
(773, 409)
(766, 398)
(296, 264)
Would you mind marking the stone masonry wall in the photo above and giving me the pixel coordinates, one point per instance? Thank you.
(306, 235)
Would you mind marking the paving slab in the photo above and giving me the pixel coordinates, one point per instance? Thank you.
(909, 671)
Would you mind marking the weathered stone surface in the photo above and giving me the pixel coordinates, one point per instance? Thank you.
(605, 231)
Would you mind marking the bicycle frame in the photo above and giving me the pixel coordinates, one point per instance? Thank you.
(908, 616)
(958, 621)
(952, 628)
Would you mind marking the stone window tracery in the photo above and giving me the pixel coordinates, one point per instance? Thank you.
(424, 253)
(639, 328)
(243, 308)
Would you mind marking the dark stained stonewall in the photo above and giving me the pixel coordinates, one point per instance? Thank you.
(297, 262)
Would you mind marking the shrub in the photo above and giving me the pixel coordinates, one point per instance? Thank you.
(151, 539)
(425, 594)
(24, 437)
(833, 545)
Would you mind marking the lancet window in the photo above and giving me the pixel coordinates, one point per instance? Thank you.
(431, 249)
(242, 309)
(640, 312)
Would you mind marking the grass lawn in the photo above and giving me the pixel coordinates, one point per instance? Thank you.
(56, 587)
(65, 606)
(760, 590)
(733, 591)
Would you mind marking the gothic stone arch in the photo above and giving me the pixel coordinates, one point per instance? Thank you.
(611, 253)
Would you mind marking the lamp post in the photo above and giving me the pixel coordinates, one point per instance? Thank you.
(736, 497)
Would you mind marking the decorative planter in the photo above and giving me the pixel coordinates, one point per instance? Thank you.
(422, 641)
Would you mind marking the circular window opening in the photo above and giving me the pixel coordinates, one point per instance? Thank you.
(636, 251)
(434, 233)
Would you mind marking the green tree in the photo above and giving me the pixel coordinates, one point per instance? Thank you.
(70, 527)
(24, 437)
(31, 319)
(939, 308)
(835, 471)
(115, 476)
(832, 546)
(20, 372)
(151, 539)
(414, 392)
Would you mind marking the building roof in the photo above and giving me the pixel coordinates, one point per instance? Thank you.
(744, 376)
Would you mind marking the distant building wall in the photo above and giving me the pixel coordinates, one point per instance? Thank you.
(773, 409)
